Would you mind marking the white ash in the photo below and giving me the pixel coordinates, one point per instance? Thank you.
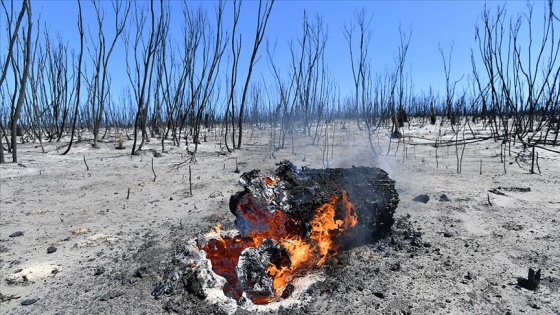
(273, 197)
(192, 262)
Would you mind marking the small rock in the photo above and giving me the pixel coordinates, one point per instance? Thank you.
(51, 249)
(447, 234)
(444, 198)
(29, 301)
(126, 280)
(16, 234)
(99, 271)
(421, 198)
(379, 295)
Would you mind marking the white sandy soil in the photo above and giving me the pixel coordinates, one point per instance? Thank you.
(114, 226)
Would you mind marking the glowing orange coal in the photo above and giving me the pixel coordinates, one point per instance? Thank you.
(314, 250)
(309, 245)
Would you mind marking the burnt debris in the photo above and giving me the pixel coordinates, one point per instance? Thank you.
(369, 189)
(277, 214)
(532, 281)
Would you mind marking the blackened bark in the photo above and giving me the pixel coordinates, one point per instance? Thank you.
(369, 189)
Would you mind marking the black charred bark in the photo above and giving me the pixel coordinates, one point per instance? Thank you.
(302, 191)
(532, 281)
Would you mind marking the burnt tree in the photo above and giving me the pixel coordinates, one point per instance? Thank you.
(19, 55)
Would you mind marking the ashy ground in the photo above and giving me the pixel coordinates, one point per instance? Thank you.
(96, 238)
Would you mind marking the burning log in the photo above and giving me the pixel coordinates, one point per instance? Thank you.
(299, 194)
(289, 223)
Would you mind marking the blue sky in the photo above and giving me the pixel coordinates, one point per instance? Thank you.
(432, 22)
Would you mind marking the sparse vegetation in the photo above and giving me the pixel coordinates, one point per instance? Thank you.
(176, 91)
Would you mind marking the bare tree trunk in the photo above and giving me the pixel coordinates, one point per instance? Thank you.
(360, 71)
(203, 88)
(13, 34)
(449, 86)
(235, 51)
(78, 77)
(2, 159)
(36, 78)
(141, 81)
(22, 81)
(101, 55)
(262, 21)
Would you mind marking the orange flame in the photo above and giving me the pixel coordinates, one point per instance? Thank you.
(305, 251)
(309, 254)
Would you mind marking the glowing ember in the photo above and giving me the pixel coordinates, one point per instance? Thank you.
(320, 245)
(288, 224)
(298, 246)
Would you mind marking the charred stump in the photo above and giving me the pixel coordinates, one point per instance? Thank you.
(532, 281)
(369, 189)
(289, 222)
